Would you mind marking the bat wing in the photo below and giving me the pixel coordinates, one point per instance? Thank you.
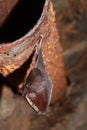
(38, 94)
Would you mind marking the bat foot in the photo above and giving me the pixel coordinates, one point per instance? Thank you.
(39, 45)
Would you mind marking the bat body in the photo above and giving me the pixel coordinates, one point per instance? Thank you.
(37, 88)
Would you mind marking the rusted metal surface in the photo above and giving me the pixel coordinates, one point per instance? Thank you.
(5, 9)
(13, 56)
(71, 21)
(63, 117)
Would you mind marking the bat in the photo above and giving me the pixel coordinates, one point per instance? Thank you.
(37, 88)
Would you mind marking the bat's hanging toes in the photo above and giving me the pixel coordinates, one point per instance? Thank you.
(39, 45)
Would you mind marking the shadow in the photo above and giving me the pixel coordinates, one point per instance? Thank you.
(2, 81)
(18, 75)
(68, 81)
(22, 18)
(14, 79)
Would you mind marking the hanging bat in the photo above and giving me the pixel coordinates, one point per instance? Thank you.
(37, 88)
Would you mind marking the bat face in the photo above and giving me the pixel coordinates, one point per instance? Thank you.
(37, 88)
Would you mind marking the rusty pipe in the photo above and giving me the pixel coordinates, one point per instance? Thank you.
(15, 55)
